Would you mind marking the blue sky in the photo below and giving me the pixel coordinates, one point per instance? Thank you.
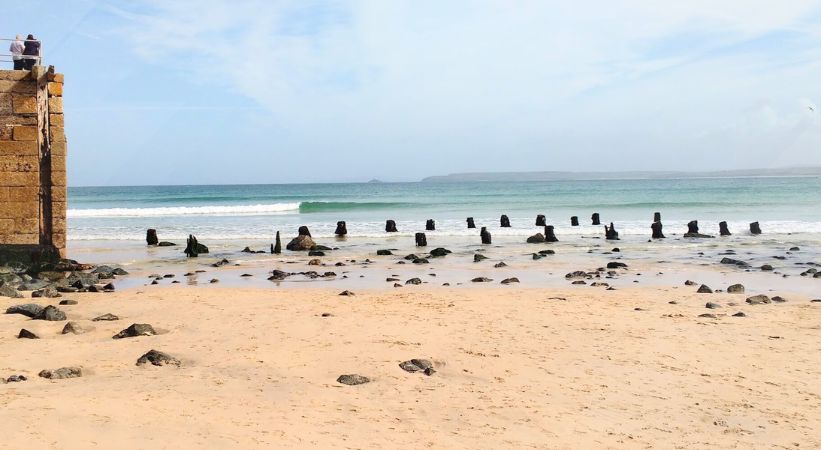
(214, 92)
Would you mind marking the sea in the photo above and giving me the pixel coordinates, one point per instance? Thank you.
(782, 206)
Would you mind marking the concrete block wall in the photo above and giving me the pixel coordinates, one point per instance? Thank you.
(32, 164)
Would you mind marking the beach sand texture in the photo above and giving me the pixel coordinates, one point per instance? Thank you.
(516, 368)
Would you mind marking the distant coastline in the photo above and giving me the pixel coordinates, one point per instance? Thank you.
(626, 175)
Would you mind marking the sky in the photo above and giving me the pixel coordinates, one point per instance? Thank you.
(216, 92)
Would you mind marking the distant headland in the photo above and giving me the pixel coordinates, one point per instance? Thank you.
(626, 175)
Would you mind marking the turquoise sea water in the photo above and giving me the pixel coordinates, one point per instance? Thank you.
(781, 205)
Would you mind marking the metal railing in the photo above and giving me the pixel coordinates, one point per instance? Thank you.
(9, 58)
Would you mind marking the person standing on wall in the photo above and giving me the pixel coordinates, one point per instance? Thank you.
(31, 52)
(16, 50)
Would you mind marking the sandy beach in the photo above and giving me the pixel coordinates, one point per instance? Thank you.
(515, 368)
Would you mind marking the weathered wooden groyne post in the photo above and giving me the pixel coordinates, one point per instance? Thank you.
(755, 228)
(421, 240)
(32, 166)
(656, 217)
(277, 248)
(550, 234)
(341, 228)
(303, 231)
(574, 221)
(722, 229)
(151, 237)
(485, 235)
(390, 226)
(540, 220)
(504, 222)
(595, 219)
(470, 222)
(430, 225)
(610, 233)
(657, 230)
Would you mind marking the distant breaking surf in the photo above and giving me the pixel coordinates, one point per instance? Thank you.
(171, 211)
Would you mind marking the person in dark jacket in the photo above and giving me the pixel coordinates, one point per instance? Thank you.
(31, 52)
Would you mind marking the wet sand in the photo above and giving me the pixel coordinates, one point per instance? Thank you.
(517, 367)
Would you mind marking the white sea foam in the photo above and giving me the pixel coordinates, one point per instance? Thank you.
(240, 210)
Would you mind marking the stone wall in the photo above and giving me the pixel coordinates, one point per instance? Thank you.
(32, 165)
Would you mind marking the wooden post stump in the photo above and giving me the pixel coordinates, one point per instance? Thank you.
(574, 221)
(421, 240)
(656, 227)
(549, 234)
(430, 225)
(504, 221)
(540, 220)
(470, 223)
(341, 228)
(723, 230)
(485, 235)
(303, 231)
(610, 233)
(754, 228)
(595, 219)
(657, 217)
(151, 237)
(390, 226)
(278, 245)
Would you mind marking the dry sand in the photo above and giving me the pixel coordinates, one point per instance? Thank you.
(517, 368)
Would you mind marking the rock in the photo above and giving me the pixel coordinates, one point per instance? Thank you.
(498, 264)
(616, 265)
(504, 222)
(477, 257)
(595, 219)
(316, 253)
(416, 365)
(734, 262)
(341, 228)
(303, 231)
(576, 274)
(536, 256)
(46, 292)
(421, 240)
(105, 317)
(439, 252)
(352, 379)
(166, 244)
(51, 313)
(795, 249)
(28, 309)
(779, 299)
(414, 281)
(481, 280)
(739, 314)
(692, 231)
(346, 293)
(15, 379)
(384, 252)
(61, 373)
(194, 248)
(134, 330)
(758, 300)
(723, 230)
(707, 316)
(300, 243)
(68, 302)
(550, 234)
(735, 289)
(574, 221)
(755, 228)
(690, 283)
(26, 334)
(411, 257)
(247, 250)
(279, 275)
(277, 249)
(8, 291)
(485, 236)
(151, 237)
(704, 289)
(430, 225)
(610, 233)
(73, 328)
(510, 280)
(537, 238)
(579, 282)
(656, 228)
(711, 305)
(420, 261)
(314, 262)
(390, 226)
(158, 358)
(470, 222)
(767, 268)
(214, 280)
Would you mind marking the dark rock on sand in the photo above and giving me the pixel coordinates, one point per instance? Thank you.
(420, 261)
(707, 316)
(704, 289)
(105, 317)
(68, 302)
(439, 252)
(739, 314)
(510, 280)
(414, 281)
(346, 293)
(73, 328)
(9, 291)
(610, 233)
(158, 358)
(723, 230)
(411, 257)
(504, 222)
(470, 222)
(477, 257)
(595, 220)
(550, 234)
(134, 330)
(418, 365)
(166, 244)
(758, 300)
(277, 248)
(15, 379)
(500, 265)
(481, 280)
(61, 373)
(26, 334)
(576, 274)
(28, 309)
(690, 283)
(301, 243)
(384, 252)
(51, 313)
(767, 268)
(341, 228)
(734, 262)
(537, 238)
(779, 299)
(352, 379)
(579, 282)
(616, 265)
(316, 253)
(46, 292)
(711, 305)
(735, 289)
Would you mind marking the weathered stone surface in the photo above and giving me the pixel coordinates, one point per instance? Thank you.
(537, 238)
(735, 289)
(28, 309)
(414, 281)
(767, 268)
(439, 252)
(384, 252)
(352, 379)
(46, 292)
(417, 365)
(510, 280)
(758, 300)
(301, 243)
(8, 291)
(105, 317)
(481, 280)
(616, 265)
(158, 358)
(711, 305)
(734, 262)
(134, 330)
(68, 302)
(51, 313)
(346, 293)
(477, 257)
(62, 373)
(26, 334)
(704, 289)
(73, 328)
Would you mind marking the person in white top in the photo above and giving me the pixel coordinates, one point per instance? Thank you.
(16, 50)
